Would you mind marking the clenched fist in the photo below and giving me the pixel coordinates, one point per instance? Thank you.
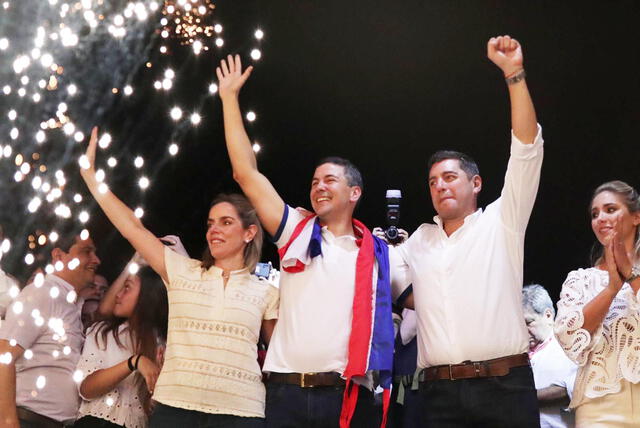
(506, 53)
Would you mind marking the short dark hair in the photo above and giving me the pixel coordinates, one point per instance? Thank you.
(467, 164)
(65, 242)
(351, 172)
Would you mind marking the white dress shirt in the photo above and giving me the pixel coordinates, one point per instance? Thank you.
(551, 367)
(468, 286)
(45, 320)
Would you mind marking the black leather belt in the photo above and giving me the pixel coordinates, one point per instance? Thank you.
(307, 380)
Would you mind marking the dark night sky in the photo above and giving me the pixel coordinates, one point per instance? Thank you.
(385, 84)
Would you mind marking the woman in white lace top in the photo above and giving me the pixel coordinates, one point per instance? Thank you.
(119, 362)
(598, 322)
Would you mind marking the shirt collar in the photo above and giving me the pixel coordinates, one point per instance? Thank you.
(470, 219)
(65, 287)
(217, 272)
(327, 234)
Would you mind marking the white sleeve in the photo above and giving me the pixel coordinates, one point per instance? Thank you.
(521, 182)
(399, 269)
(576, 342)
(290, 219)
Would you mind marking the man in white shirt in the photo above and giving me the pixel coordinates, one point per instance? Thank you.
(554, 373)
(310, 347)
(41, 341)
(466, 272)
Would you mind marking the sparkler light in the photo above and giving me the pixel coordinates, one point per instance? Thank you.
(189, 21)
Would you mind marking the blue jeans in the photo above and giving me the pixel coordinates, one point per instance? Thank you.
(494, 402)
(290, 406)
(171, 417)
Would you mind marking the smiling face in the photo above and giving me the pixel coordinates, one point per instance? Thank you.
(331, 196)
(453, 193)
(609, 213)
(226, 235)
(84, 271)
(127, 298)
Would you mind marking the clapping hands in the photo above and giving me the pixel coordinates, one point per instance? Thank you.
(617, 260)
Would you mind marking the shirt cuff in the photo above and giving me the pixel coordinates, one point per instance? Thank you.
(526, 151)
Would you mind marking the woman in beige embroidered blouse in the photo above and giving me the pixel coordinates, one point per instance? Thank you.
(217, 309)
(598, 322)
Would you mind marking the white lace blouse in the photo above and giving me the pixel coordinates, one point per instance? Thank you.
(613, 352)
(121, 405)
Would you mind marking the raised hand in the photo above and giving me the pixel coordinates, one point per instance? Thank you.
(88, 161)
(174, 243)
(506, 53)
(230, 76)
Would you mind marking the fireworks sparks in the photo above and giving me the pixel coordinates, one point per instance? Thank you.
(190, 21)
(48, 121)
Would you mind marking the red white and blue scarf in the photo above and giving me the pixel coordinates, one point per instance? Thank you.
(371, 339)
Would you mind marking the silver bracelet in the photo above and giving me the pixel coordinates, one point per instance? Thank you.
(520, 75)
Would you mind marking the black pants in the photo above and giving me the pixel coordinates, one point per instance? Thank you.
(494, 402)
(173, 417)
(93, 422)
(290, 406)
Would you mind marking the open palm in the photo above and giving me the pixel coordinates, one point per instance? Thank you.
(230, 76)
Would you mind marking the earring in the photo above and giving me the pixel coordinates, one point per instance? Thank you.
(246, 241)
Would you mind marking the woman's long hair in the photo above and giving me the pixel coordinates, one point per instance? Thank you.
(631, 199)
(248, 217)
(147, 324)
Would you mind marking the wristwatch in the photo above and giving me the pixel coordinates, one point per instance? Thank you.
(635, 273)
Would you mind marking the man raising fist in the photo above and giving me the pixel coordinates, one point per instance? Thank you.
(466, 272)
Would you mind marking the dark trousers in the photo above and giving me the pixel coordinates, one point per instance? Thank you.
(494, 402)
(171, 417)
(409, 413)
(93, 422)
(290, 406)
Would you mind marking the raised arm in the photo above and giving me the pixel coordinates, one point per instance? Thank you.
(268, 204)
(121, 215)
(108, 302)
(506, 53)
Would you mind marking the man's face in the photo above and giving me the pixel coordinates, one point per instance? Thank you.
(331, 195)
(80, 273)
(101, 285)
(453, 193)
(540, 326)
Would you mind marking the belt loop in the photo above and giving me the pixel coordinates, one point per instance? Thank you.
(451, 373)
(302, 376)
(476, 368)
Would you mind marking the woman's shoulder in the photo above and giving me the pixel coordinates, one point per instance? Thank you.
(585, 278)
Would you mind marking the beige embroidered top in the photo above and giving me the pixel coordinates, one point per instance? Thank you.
(211, 357)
